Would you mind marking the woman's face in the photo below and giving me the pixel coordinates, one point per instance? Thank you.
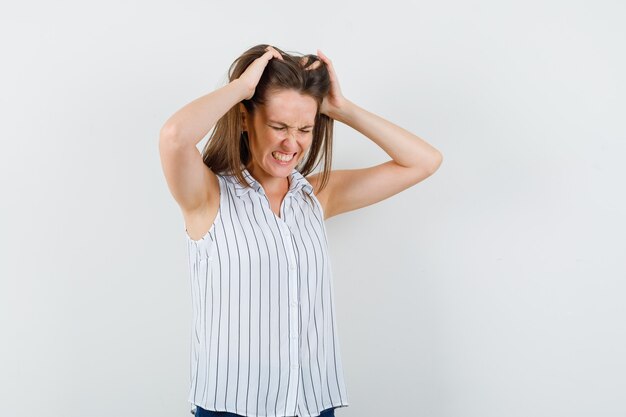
(283, 126)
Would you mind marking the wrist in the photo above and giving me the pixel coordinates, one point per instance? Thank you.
(243, 91)
(343, 112)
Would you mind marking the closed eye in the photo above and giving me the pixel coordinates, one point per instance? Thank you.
(283, 128)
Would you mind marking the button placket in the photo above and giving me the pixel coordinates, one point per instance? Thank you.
(293, 304)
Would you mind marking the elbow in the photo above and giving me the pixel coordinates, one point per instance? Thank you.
(435, 163)
(168, 131)
(169, 136)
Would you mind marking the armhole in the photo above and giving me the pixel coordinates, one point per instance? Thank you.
(209, 235)
(318, 205)
(315, 198)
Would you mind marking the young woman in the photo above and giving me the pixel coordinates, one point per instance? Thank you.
(264, 336)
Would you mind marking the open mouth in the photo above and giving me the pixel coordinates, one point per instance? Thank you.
(283, 157)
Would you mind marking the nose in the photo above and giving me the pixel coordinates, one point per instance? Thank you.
(290, 138)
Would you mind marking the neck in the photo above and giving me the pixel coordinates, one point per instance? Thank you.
(271, 185)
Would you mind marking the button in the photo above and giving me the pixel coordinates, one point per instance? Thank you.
(286, 234)
(294, 336)
(296, 366)
(292, 266)
(294, 304)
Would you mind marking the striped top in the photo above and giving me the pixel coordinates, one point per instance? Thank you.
(264, 340)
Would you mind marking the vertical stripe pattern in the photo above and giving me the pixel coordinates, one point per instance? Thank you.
(264, 339)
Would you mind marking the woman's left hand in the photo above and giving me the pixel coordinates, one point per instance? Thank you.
(334, 102)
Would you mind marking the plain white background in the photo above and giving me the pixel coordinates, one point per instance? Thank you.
(494, 288)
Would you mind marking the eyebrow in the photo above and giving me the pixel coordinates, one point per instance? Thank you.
(285, 124)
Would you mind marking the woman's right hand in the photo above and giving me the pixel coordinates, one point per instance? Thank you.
(251, 76)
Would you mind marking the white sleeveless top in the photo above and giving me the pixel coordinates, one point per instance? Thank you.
(264, 337)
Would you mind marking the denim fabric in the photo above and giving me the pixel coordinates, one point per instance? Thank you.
(201, 412)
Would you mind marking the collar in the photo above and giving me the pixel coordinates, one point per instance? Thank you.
(296, 182)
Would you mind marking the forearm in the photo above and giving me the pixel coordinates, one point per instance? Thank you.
(192, 122)
(404, 147)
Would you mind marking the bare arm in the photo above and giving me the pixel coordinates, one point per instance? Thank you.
(187, 176)
(190, 181)
(192, 122)
(406, 149)
(412, 158)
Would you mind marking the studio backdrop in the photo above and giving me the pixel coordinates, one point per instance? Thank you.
(493, 288)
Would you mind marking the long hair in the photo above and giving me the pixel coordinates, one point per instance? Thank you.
(227, 148)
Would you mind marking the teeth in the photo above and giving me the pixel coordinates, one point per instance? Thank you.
(282, 156)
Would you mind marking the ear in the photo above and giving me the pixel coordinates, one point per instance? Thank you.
(244, 116)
